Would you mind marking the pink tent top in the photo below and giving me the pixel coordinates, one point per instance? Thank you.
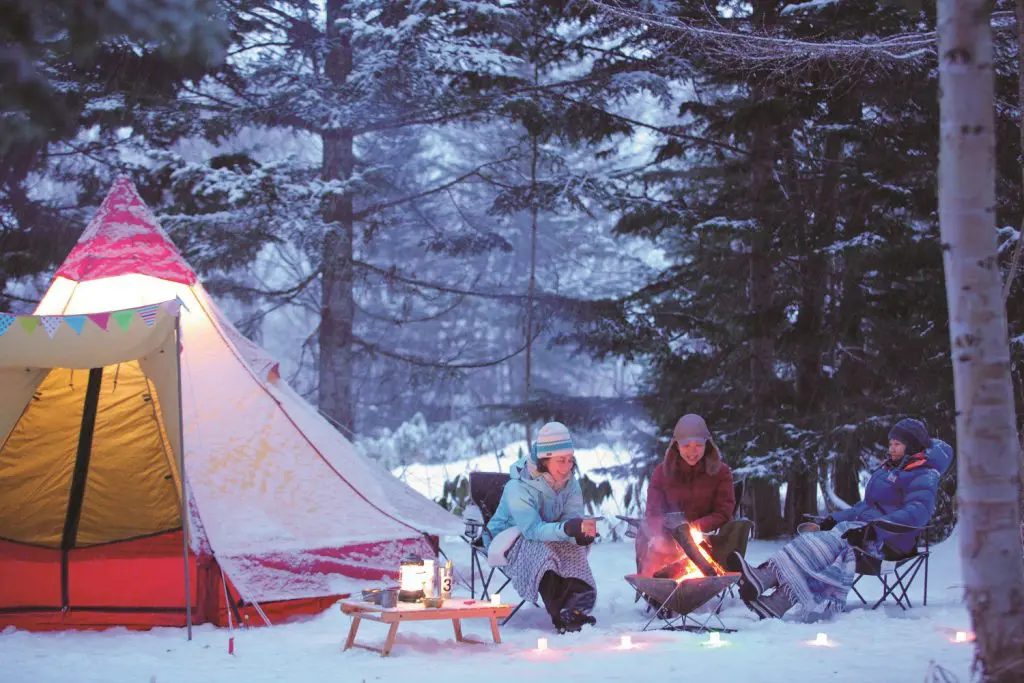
(124, 237)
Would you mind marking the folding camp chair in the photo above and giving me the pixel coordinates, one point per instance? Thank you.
(485, 489)
(896, 574)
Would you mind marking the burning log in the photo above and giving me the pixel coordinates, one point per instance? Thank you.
(684, 537)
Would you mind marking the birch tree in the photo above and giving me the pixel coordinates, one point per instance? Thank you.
(988, 464)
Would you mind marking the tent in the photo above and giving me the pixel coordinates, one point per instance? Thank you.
(283, 513)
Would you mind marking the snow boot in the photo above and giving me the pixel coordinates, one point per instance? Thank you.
(753, 580)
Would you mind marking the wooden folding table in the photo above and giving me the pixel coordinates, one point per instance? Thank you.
(455, 609)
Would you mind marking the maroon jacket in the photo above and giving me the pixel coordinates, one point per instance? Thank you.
(704, 492)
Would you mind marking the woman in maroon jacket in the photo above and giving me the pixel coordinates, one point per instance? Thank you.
(691, 480)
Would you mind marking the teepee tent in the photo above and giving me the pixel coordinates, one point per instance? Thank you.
(282, 508)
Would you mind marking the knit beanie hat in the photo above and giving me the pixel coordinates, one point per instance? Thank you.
(552, 439)
(689, 428)
(911, 433)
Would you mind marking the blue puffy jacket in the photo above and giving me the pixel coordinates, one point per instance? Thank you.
(530, 504)
(902, 492)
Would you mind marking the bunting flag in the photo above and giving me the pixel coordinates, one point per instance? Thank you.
(28, 322)
(50, 323)
(148, 314)
(123, 318)
(76, 322)
(101, 320)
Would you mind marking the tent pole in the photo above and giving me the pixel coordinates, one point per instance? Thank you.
(181, 473)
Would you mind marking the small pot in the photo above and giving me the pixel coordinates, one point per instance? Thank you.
(433, 602)
(389, 598)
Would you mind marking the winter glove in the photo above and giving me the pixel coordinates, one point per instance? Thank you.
(574, 528)
(859, 535)
(827, 524)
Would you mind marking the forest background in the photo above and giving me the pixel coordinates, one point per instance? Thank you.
(453, 220)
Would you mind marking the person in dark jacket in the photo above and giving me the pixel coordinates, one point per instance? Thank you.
(815, 570)
(691, 484)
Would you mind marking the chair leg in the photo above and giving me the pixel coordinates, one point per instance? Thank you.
(857, 592)
(513, 612)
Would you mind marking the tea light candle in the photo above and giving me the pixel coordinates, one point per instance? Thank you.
(714, 639)
(496, 599)
(821, 639)
(626, 642)
(961, 637)
(542, 644)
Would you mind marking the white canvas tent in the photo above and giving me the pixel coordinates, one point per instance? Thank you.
(280, 501)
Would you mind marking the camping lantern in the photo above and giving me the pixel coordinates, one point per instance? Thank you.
(410, 579)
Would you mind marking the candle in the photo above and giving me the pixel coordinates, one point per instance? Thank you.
(542, 644)
(626, 643)
(961, 636)
(496, 599)
(821, 639)
(714, 638)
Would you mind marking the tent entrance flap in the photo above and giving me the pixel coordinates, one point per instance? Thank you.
(78, 477)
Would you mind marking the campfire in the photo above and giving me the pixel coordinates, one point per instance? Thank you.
(686, 575)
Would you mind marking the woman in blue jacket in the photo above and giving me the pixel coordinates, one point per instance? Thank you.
(539, 534)
(815, 570)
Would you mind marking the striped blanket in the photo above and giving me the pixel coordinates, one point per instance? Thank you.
(528, 560)
(817, 570)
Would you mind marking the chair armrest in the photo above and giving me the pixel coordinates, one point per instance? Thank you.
(631, 521)
(814, 518)
(894, 527)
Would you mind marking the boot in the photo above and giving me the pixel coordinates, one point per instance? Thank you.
(753, 580)
(776, 604)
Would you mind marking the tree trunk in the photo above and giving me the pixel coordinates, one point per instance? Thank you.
(988, 463)
(531, 288)
(337, 303)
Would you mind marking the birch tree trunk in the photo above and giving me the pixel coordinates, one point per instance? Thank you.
(988, 465)
(337, 302)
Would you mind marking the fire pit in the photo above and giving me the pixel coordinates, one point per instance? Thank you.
(686, 582)
(681, 597)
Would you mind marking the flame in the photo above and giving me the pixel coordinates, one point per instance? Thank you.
(690, 570)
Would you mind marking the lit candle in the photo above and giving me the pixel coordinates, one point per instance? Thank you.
(542, 644)
(821, 639)
(715, 638)
(496, 599)
(626, 643)
(961, 636)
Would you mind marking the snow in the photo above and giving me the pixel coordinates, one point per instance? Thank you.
(883, 645)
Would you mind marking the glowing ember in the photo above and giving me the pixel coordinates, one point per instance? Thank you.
(687, 568)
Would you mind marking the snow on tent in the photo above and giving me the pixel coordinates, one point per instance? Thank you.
(279, 502)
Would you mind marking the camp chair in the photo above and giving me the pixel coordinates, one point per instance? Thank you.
(485, 490)
(896, 574)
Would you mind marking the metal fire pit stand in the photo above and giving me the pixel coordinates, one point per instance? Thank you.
(675, 602)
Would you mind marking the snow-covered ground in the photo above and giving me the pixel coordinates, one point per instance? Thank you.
(886, 645)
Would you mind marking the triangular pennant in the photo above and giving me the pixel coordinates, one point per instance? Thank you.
(29, 322)
(173, 307)
(6, 319)
(101, 320)
(50, 324)
(123, 318)
(148, 314)
(75, 322)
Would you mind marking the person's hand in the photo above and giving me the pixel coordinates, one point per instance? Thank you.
(574, 528)
(827, 524)
(858, 536)
(589, 527)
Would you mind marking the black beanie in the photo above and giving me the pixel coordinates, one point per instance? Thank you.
(912, 433)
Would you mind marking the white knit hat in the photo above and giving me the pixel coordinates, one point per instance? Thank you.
(552, 439)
